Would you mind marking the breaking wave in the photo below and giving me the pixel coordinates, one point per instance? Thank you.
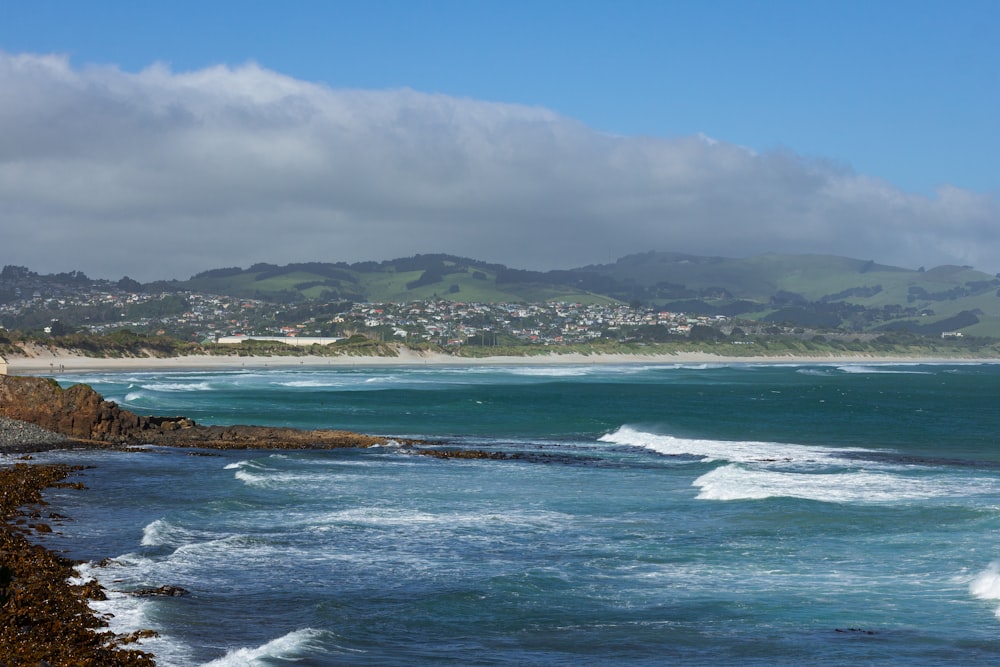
(734, 482)
(986, 584)
(292, 647)
(736, 451)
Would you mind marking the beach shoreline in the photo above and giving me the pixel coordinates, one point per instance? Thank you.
(45, 362)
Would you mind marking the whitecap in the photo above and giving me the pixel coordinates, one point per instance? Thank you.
(552, 371)
(396, 518)
(245, 463)
(157, 533)
(161, 533)
(986, 585)
(738, 451)
(820, 372)
(178, 386)
(263, 478)
(294, 646)
(893, 369)
(311, 384)
(735, 482)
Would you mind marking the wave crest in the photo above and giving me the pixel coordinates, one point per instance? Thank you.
(733, 482)
(735, 451)
(294, 646)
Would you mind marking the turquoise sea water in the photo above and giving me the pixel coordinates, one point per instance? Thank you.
(732, 514)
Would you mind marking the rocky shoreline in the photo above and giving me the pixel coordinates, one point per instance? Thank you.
(44, 619)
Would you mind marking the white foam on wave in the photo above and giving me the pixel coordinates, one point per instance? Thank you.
(159, 533)
(163, 533)
(311, 384)
(178, 386)
(244, 464)
(553, 371)
(894, 369)
(126, 613)
(270, 480)
(230, 547)
(736, 451)
(397, 518)
(736, 482)
(986, 584)
(294, 646)
(819, 372)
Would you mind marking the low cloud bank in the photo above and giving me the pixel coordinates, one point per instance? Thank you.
(161, 174)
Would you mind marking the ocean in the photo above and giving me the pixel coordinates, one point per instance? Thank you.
(660, 514)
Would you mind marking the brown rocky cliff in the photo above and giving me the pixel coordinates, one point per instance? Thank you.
(80, 412)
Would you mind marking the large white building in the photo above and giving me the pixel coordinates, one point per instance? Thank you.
(303, 341)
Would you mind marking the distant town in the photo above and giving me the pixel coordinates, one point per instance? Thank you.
(98, 307)
(211, 318)
(71, 303)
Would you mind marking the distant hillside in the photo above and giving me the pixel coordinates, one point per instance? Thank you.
(813, 290)
(398, 280)
(810, 290)
(816, 291)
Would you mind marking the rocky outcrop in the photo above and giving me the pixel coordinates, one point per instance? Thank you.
(78, 412)
(82, 414)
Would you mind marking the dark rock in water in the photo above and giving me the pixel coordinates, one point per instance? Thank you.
(479, 454)
(857, 631)
(165, 591)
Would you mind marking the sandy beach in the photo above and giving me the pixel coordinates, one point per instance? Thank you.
(45, 361)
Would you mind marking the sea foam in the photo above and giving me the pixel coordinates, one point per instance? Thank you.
(986, 584)
(179, 386)
(736, 451)
(734, 482)
(892, 369)
(294, 646)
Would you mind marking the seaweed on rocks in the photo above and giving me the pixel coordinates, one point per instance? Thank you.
(44, 619)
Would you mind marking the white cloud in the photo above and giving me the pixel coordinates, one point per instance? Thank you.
(160, 174)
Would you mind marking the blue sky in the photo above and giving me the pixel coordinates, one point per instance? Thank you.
(906, 91)
(902, 93)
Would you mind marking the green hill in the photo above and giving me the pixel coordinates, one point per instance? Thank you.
(400, 280)
(813, 291)
(807, 290)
